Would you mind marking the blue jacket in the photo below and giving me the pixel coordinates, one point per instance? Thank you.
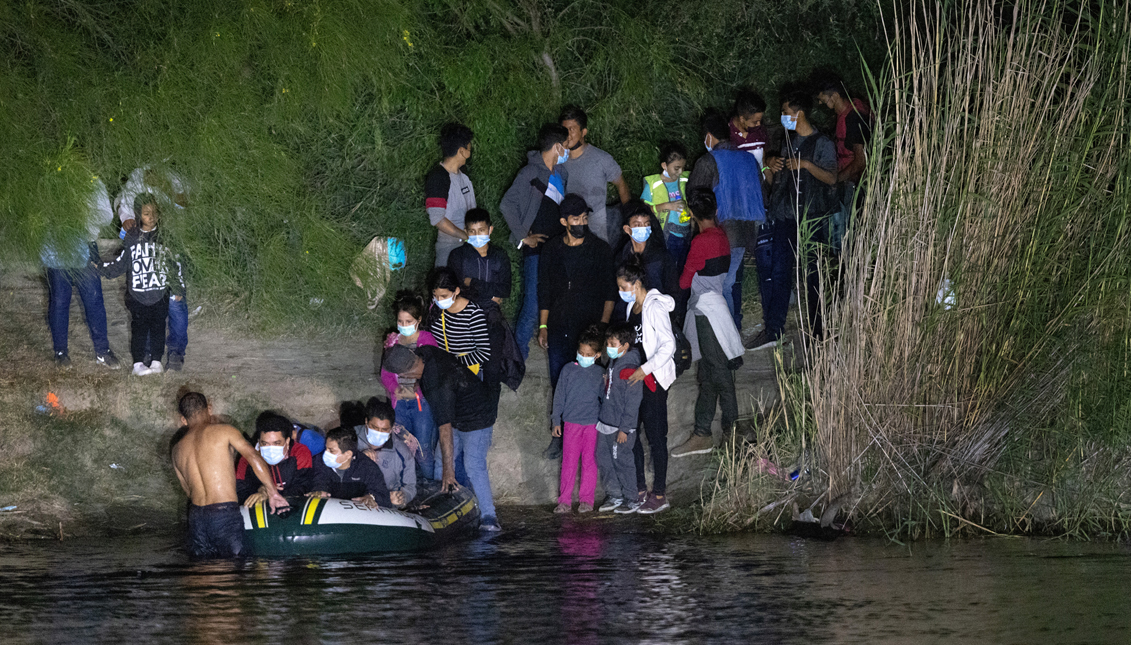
(739, 191)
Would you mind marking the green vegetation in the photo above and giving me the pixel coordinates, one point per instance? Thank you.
(999, 168)
(305, 127)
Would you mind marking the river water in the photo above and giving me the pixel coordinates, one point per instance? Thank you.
(552, 580)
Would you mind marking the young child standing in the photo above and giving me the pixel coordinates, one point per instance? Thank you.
(483, 268)
(577, 402)
(153, 271)
(665, 193)
(616, 424)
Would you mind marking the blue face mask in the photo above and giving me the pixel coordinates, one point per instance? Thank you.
(406, 330)
(563, 158)
(376, 438)
(707, 144)
(789, 122)
(273, 454)
(446, 303)
(478, 241)
(613, 353)
(330, 459)
(627, 296)
(640, 233)
(585, 361)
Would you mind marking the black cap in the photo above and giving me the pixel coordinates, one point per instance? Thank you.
(398, 359)
(573, 205)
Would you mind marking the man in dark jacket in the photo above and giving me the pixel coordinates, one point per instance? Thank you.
(290, 462)
(530, 207)
(802, 181)
(576, 288)
(465, 412)
(345, 474)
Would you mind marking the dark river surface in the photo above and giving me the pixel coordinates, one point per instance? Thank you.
(549, 580)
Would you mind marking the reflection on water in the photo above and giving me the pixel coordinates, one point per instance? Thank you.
(548, 580)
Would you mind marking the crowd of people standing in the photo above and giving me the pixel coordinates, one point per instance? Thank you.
(621, 298)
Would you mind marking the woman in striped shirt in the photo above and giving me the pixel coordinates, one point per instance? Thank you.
(459, 325)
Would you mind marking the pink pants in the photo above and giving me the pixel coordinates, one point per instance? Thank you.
(578, 442)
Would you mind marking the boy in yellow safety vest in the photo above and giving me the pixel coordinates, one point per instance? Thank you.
(664, 193)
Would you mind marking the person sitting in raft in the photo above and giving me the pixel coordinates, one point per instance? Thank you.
(290, 462)
(341, 474)
(380, 440)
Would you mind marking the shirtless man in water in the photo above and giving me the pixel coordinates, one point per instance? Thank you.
(204, 456)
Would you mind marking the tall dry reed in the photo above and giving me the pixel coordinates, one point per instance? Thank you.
(974, 276)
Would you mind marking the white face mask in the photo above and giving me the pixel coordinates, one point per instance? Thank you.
(331, 460)
(272, 454)
(446, 303)
(627, 296)
(640, 234)
(376, 438)
(478, 241)
(707, 143)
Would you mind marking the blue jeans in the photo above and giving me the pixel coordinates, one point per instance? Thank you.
(420, 423)
(775, 256)
(471, 449)
(732, 285)
(677, 250)
(59, 284)
(178, 326)
(561, 349)
(528, 315)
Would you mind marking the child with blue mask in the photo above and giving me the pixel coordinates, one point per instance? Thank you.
(482, 268)
(618, 419)
(664, 193)
(391, 447)
(574, 419)
(645, 246)
(342, 473)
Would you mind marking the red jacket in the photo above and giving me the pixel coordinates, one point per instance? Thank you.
(709, 256)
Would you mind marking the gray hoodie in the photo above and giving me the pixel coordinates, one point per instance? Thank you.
(523, 199)
(620, 402)
(577, 398)
(396, 461)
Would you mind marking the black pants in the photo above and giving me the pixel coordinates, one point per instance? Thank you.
(716, 382)
(216, 530)
(654, 418)
(147, 329)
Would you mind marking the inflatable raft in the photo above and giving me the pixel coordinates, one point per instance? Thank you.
(316, 526)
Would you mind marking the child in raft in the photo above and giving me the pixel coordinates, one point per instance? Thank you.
(574, 418)
(616, 423)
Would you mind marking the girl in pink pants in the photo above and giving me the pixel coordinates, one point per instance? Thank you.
(574, 418)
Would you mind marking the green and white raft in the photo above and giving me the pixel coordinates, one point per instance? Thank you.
(338, 526)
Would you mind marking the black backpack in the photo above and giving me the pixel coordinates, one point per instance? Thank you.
(682, 356)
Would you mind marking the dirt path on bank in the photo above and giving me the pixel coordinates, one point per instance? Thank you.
(304, 378)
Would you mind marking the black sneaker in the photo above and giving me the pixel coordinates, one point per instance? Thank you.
(761, 341)
(175, 362)
(62, 360)
(108, 360)
(554, 450)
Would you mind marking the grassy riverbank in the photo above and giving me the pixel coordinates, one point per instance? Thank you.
(975, 372)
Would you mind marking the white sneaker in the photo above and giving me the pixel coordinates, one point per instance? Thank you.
(140, 369)
(155, 368)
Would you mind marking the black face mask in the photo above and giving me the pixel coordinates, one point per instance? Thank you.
(576, 145)
(578, 231)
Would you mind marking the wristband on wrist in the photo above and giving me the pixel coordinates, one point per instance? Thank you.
(541, 326)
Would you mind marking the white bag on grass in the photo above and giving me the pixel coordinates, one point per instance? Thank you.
(373, 269)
